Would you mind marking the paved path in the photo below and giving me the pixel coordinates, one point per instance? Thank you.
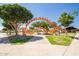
(73, 49)
(35, 47)
(39, 47)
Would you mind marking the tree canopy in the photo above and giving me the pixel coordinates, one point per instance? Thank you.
(67, 18)
(40, 24)
(13, 14)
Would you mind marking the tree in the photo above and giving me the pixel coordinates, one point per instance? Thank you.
(7, 28)
(12, 14)
(40, 24)
(67, 18)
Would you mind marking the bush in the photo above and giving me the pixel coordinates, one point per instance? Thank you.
(60, 40)
(19, 40)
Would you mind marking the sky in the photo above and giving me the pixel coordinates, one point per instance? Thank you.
(51, 11)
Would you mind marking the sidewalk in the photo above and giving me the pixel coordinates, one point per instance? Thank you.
(34, 48)
(40, 47)
(73, 49)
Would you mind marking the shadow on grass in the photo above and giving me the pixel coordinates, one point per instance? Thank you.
(6, 40)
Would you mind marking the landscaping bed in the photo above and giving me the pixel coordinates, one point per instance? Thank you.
(60, 40)
(19, 39)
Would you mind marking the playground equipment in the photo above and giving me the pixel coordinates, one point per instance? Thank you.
(26, 31)
(56, 29)
(52, 31)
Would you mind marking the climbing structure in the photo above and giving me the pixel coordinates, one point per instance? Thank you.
(41, 18)
(53, 24)
(56, 29)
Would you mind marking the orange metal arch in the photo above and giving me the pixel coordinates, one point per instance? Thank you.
(41, 18)
(52, 31)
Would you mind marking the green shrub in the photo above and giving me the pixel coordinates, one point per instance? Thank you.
(19, 40)
(60, 40)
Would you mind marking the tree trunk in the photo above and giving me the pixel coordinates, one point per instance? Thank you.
(9, 32)
(16, 32)
(66, 31)
(14, 27)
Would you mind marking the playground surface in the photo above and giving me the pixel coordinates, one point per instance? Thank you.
(40, 47)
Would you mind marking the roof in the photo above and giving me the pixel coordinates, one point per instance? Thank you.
(71, 28)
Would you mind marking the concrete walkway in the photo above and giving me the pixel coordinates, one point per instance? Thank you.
(73, 49)
(35, 47)
(39, 47)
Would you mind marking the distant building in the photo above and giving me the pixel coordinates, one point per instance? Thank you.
(72, 29)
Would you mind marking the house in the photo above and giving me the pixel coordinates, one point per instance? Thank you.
(71, 29)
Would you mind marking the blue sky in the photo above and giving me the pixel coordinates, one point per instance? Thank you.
(52, 11)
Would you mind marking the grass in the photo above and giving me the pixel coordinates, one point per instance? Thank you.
(17, 41)
(71, 34)
(60, 40)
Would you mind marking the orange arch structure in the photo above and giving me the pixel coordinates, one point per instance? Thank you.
(52, 31)
(41, 18)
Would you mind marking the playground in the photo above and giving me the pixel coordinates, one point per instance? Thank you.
(52, 31)
(53, 42)
(56, 35)
(25, 34)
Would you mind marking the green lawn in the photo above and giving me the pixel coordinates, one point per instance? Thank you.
(20, 40)
(60, 40)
